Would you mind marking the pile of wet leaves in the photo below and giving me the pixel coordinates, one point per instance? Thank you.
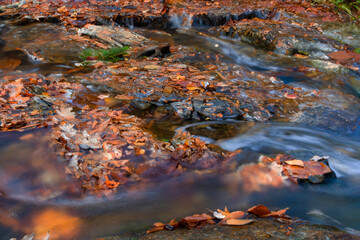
(220, 217)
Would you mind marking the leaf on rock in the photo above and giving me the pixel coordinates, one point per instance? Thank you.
(66, 113)
(235, 215)
(236, 222)
(295, 162)
(260, 211)
(310, 169)
(197, 221)
(158, 226)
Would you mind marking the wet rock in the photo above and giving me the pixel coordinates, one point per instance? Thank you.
(215, 109)
(154, 51)
(344, 121)
(20, 55)
(260, 116)
(141, 104)
(84, 146)
(343, 32)
(33, 19)
(139, 20)
(4, 28)
(215, 18)
(114, 36)
(2, 43)
(282, 38)
(261, 229)
(37, 103)
(55, 45)
(183, 109)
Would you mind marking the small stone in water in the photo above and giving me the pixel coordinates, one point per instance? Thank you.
(316, 178)
(84, 146)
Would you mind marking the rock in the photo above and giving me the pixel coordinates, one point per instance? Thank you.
(343, 121)
(215, 109)
(183, 109)
(84, 146)
(141, 104)
(114, 36)
(282, 38)
(22, 56)
(154, 51)
(260, 229)
(2, 43)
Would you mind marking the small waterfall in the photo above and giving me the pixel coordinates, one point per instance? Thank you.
(183, 20)
(129, 22)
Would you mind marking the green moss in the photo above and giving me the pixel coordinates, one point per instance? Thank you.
(112, 54)
(357, 50)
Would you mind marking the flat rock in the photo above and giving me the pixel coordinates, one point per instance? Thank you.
(261, 229)
(114, 36)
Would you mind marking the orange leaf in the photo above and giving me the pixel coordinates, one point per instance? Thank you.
(260, 211)
(158, 226)
(234, 215)
(295, 163)
(280, 213)
(290, 95)
(237, 222)
(197, 221)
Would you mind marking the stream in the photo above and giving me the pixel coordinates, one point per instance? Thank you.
(32, 177)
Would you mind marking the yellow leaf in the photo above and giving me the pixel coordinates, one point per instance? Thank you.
(295, 163)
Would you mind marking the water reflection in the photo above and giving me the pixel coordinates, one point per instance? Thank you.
(34, 190)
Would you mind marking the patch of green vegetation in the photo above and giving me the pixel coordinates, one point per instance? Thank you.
(349, 6)
(112, 54)
(357, 50)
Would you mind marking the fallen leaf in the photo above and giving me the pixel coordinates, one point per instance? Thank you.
(290, 95)
(237, 222)
(235, 215)
(295, 163)
(340, 56)
(66, 113)
(197, 221)
(260, 211)
(158, 226)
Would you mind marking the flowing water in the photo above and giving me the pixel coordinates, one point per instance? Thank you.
(31, 176)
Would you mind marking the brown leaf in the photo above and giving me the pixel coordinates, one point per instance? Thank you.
(197, 221)
(340, 56)
(236, 222)
(310, 168)
(260, 211)
(279, 214)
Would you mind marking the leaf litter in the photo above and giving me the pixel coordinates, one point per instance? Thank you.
(106, 147)
(223, 218)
